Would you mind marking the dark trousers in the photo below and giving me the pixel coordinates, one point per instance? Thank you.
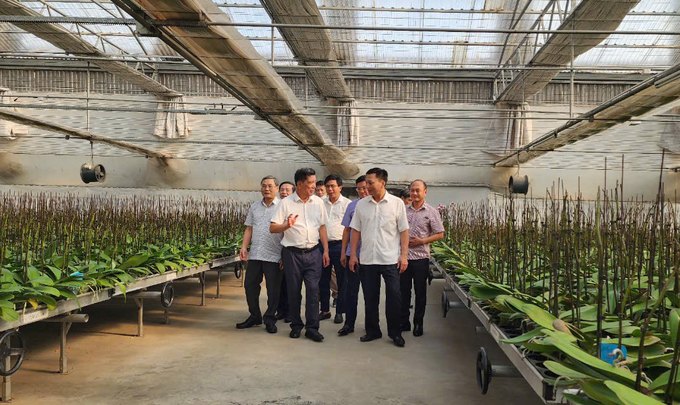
(303, 267)
(283, 297)
(335, 252)
(415, 276)
(272, 274)
(351, 294)
(370, 280)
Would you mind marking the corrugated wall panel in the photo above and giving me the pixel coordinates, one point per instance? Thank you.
(412, 91)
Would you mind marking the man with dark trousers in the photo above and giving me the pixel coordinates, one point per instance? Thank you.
(302, 219)
(286, 188)
(425, 227)
(336, 204)
(380, 224)
(264, 257)
(350, 291)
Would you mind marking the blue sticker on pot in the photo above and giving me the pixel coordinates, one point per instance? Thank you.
(610, 352)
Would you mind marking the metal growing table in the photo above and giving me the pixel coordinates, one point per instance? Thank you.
(64, 314)
(523, 367)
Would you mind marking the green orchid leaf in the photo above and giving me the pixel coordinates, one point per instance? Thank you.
(8, 314)
(134, 261)
(525, 337)
(565, 371)
(629, 396)
(575, 399)
(601, 366)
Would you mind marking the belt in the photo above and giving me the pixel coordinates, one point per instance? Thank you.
(334, 242)
(299, 250)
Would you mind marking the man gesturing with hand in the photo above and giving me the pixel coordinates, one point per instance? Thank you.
(302, 219)
(381, 225)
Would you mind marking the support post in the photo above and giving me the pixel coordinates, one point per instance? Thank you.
(219, 281)
(140, 316)
(201, 277)
(571, 82)
(7, 389)
(63, 359)
(272, 45)
(7, 381)
(66, 322)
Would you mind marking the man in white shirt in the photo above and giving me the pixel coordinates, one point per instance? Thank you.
(263, 258)
(302, 219)
(380, 224)
(336, 204)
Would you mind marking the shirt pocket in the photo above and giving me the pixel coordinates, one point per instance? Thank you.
(387, 221)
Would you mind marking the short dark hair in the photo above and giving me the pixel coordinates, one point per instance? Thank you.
(360, 179)
(331, 177)
(302, 174)
(404, 193)
(287, 182)
(270, 177)
(379, 173)
(320, 183)
(424, 184)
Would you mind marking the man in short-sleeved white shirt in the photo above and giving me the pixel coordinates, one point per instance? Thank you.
(381, 225)
(302, 218)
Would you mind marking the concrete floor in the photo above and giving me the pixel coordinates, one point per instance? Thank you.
(200, 358)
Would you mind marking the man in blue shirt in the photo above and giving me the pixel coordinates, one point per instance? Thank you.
(350, 289)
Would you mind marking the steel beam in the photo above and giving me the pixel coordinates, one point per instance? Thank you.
(72, 43)
(557, 49)
(639, 100)
(313, 47)
(77, 133)
(228, 58)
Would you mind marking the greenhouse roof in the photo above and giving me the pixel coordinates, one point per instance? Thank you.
(394, 49)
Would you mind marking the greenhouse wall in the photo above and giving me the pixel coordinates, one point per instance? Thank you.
(450, 145)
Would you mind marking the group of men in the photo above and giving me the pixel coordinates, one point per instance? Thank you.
(301, 238)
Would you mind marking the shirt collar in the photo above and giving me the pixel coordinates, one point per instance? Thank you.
(384, 199)
(297, 198)
(411, 207)
(274, 201)
(339, 200)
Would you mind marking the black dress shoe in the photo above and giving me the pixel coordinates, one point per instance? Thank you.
(406, 327)
(272, 328)
(338, 318)
(314, 335)
(399, 341)
(345, 330)
(280, 316)
(249, 323)
(368, 338)
(418, 329)
(295, 333)
(287, 319)
(323, 316)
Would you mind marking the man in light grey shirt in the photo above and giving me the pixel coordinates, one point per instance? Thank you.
(264, 257)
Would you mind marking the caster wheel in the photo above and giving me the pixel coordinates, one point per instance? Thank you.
(445, 304)
(483, 370)
(12, 346)
(167, 295)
